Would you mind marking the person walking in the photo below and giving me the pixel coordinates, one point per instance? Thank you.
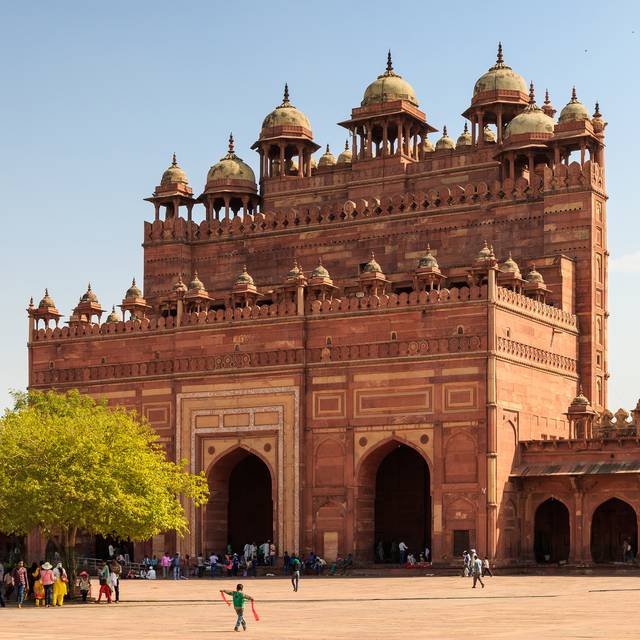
(239, 598)
(486, 569)
(380, 551)
(295, 572)
(47, 578)
(21, 582)
(105, 576)
(427, 553)
(272, 554)
(60, 585)
(477, 571)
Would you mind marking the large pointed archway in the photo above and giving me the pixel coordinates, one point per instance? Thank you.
(614, 523)
(240, 507)
(394, 502)
(551, 532)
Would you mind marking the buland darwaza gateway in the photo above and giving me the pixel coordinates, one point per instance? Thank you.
(406, 342)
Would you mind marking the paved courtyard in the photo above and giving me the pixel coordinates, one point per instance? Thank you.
(428, 607)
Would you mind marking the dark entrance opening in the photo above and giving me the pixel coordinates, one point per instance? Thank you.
(402, 503)
(124, 547)
(614, 522)
(551, 532)
(240, 507)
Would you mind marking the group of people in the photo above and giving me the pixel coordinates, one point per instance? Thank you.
(48, 585)
(473, 566)
(399, 553)
(42, 581)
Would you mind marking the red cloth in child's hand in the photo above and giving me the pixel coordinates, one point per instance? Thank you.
(226, 601)
(255, 613)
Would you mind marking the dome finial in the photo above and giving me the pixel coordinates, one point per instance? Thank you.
(546, 97)
(285, 98)
(346, 142)
(532, 94)
(596, 113)
(230, 143)
(327, 149)
(466, 127)
(389, 62)
(174, 162)
(500, 59)
(46, 292)
(574, 95)
(444, 131)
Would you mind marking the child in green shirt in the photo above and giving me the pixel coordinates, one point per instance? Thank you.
(239, 598)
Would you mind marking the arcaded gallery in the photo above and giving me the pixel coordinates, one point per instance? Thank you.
(402, 341)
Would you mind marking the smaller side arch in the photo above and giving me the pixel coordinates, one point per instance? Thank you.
(551, 532)
(614, 531)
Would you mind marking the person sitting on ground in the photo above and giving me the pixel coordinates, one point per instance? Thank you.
(336, 566)
(310, 562)
(151, 574)
(347, 565)
(320, 565)
(411, 560)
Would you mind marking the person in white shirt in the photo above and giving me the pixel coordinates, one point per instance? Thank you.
(265, 552)
(402, 548)
(151, 574)
(213, 561)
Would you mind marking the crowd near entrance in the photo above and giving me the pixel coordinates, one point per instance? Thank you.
(551, 532)
(240, 508)
(614, 532)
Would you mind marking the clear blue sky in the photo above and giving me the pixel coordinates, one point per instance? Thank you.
(96, 97)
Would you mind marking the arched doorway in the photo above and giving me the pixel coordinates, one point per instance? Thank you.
(551, 532)
(394, 502)
(240, 507)
(613, 522)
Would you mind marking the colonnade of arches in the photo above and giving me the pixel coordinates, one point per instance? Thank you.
(614, 527)
(392, 505)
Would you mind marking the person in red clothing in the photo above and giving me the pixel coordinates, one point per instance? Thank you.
(105, 577)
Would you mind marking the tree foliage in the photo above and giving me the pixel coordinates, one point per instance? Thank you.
(68, 462)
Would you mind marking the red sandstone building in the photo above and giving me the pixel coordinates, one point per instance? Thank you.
(380, 346)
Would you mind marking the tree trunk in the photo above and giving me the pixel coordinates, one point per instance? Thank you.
(69, 536)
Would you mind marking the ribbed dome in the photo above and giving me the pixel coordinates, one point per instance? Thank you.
(295, 270)
(532, 120)
(445, 142)
(534, 277)
(113, 316)
(244, 277)
(427, 146)
(485, 253)
(231, 167)
(320, 271)
(574, 111)
(464, 139)
(500, 77)
(510, 266)
(372, 266)
(346, 156)
(180, 285)
(327, 159)
(133, 291)
(196, 283)
(580, 399)
(47, 300)
(489, 135)
(286, 115)
(389, 87)
(174, 174)
(428, 260)
(89, 295)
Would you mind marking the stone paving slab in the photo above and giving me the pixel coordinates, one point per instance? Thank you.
(562, 607)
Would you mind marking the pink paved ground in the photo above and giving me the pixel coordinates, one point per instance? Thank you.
(429, 607)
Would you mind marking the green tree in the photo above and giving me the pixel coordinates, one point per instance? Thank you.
(68, 463)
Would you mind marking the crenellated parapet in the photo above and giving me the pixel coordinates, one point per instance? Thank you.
(522, 304)
(507, 191)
